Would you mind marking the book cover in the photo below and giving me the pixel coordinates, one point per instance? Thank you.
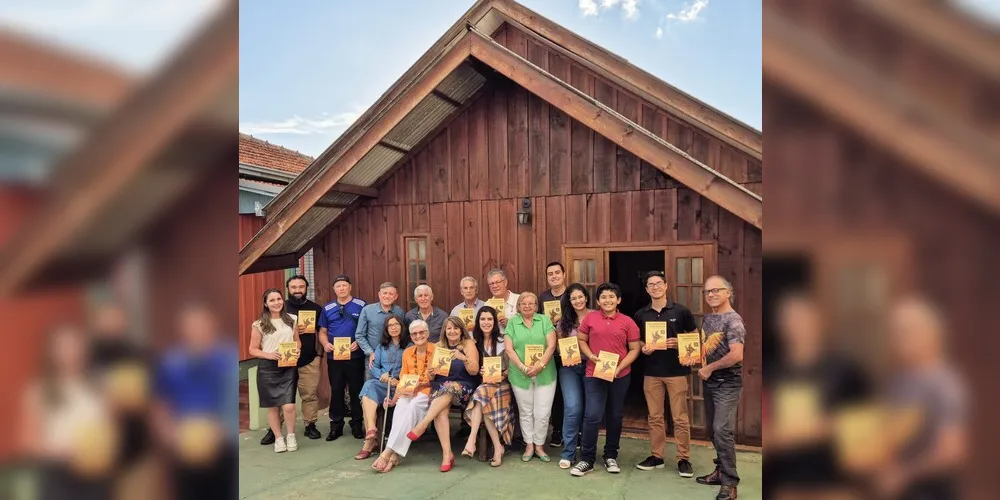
(656, 334)
(492, 369)
(128, 385)
(797, 410)
(442, 360)
(341, 348)
(289, 354)
(569, 350)
(553, 309)
(198, 439)
(607, 363)
(689, 348)
(860, 437)
(500, 305)
(533, 354)
(94, 446)
(468, 316)
(408, 384)
(307, 318)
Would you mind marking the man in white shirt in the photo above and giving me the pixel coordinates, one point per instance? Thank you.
(497, 281)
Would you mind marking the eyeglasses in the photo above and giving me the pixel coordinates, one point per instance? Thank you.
(715, 291)
(419, 333)
(496, 283)
(341, 311)
(658, 284)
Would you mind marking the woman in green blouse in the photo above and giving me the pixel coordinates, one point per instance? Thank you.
(531, 341)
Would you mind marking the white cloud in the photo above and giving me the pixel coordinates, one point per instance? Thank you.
(297, 125)
(136, 34)
(659, 32)
(690, 12)
(629, 7)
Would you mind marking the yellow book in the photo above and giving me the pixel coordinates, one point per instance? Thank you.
(607, 363)
(128, 385)
(407, 384)
(689, 348)
(307, 318)
(289, 354)
(441, 361)
(341, 348)
(797, 410)
(569, 350)
(500, 305)
(468, 316)
(553, 309)
(198, 439)
(860, 439)
(533, 354)
(492, 369)
(93, 446)
(656, 334)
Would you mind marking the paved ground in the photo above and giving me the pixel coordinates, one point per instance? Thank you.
(320, 470)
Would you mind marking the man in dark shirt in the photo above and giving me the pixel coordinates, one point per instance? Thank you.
(665, 374)
(309, 362)
(555, 276)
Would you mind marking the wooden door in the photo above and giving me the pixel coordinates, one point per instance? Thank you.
(689, 266)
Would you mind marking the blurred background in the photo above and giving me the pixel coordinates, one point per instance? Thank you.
(118, 133)
(880, 253)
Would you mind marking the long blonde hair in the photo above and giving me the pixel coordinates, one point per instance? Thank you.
(457, 323)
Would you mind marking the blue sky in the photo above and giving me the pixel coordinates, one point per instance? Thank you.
(310, 67)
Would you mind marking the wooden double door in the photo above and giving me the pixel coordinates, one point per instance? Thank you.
(686, 267)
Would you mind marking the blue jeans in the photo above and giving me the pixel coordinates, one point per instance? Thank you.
(571, 383)
(603, 396)
(722, 398)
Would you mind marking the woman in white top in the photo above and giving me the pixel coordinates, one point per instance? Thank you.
(275, 385)
(65, 426)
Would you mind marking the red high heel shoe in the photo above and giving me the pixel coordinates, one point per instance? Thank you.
(413, 437)
(447, 467)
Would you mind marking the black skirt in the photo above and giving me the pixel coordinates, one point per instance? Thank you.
(275, 385)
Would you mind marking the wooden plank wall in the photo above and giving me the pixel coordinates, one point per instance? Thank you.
(252, 286)
(464, 188)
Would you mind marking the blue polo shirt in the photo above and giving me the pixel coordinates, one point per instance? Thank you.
(200, 384)
(339, 324)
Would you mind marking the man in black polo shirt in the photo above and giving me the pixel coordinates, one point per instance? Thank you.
(555, 276)
(664, 373)
(307, 376)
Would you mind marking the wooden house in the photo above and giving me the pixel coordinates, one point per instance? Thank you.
(513, 142)
(883, 116)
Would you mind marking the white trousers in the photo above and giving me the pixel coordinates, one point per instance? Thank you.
(534, 405)
(408, 412)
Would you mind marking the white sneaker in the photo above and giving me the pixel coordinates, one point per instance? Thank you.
(291, 442)
(565, 464)
(279, 445)
(612, 465)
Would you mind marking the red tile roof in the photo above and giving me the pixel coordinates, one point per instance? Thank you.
(258, 153)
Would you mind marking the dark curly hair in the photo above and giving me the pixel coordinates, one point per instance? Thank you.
(570, 319)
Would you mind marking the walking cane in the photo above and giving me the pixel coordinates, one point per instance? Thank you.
(385, 414)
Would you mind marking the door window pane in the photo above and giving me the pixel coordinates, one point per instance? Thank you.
(696, 299)
(683, 295)
(683, 271)
(577, 271)
(591, 271)
(697, 270)
(698, 414)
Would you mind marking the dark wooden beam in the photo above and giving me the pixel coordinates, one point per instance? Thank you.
(626, 134)
(367, 192)
(444, 97)
(386, 144)
(126, 143)
(272, 263)
(324, 180)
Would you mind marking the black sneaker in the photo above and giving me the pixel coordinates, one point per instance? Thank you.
(726, 493)
(335, 432)
(581, 468)
(684, 468)
(557, 440)
(612, 465)
(312, 432)
(710, 479)
(268, 438)
(650, 463)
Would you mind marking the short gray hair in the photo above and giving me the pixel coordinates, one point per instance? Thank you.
(421, 288)
(728, 285)
(496, 272)
(387, 284)
(468, 278)
(418, 324)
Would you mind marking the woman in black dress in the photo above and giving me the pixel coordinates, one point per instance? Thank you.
(275, 385)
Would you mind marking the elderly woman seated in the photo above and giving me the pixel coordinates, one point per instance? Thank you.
(385, 373)
(411, 406)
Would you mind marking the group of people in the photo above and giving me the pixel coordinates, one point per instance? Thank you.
(387, 345)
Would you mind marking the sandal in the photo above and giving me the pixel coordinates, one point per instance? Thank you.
(364, 454)
(495, 462)
(468, 454)
(543, 457)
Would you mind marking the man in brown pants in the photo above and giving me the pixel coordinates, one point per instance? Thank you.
(664, 375)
